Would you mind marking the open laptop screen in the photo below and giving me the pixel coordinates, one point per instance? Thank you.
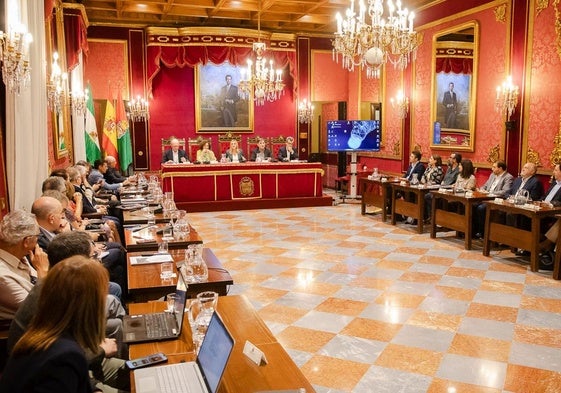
(180, 300)
(214, 353)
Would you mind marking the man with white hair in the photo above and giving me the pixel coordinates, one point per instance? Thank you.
(175, 155)
(113, 176)
(21, 260)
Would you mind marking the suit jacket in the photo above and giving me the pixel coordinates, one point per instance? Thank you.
(533, 185)
(284, 156)
(503, 186)
(266, 153)
(112, 176)
(230, 156)
(419, 169)
(556, 200)
(61, 368)
(451, 176)
(168, 156)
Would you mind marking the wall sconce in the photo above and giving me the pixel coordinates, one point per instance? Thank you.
(305, 112)
(507, 97)
(400, 104)
(14, 56)
(56, 88)
(79, 100)
(138, 110)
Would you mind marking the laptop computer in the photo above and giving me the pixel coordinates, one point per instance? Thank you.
(157, 326)
(200, 376)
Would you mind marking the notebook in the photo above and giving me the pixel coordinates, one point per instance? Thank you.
(157, 326)
(201, 376)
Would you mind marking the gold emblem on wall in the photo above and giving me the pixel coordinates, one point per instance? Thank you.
(493, 155)
(541, 5)
(555, 156)
(500, 13)
(247, 187)
(533, 157)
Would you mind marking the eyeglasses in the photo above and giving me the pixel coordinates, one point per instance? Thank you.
(35, 235)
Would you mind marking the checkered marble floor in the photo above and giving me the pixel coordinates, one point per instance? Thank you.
(364, 306)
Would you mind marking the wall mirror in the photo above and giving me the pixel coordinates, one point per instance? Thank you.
(454, 81)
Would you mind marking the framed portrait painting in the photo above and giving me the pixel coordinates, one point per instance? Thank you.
(218, 104)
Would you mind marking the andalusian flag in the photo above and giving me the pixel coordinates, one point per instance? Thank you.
(93, 152)
(124, 143)
(109, 136)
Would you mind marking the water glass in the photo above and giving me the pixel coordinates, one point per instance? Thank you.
(151, 218)
(163, 247)
(207, 301)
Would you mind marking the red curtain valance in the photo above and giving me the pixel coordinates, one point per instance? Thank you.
(456, 65)
(181, 56)
(75, 37)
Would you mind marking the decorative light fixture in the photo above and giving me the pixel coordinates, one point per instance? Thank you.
(138, 110)
(79, 101)
(56, 87)
(507, 97)
(263, 81)
(14, 56)
(400, 104)
(371, 45)
(305, 112)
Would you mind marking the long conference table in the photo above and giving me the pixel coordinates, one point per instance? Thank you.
(197, 187)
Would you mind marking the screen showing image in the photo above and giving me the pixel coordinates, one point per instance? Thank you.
(353, 135)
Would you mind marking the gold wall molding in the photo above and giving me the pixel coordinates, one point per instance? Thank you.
(494, 154)
(533, 157)
(396, 149)
(500, 13)
(557, 26)
(541, 5)
(555, 156)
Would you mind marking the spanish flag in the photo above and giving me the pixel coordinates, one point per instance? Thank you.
(109, 136)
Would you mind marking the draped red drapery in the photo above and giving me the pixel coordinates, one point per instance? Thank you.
(181, 56)
(75, 37)
(456, 65)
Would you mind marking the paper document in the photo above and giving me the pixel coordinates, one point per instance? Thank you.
(156, 258)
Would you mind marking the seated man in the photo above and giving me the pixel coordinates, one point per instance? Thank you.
(450, 178)
(288, 152)
(22, 261)
(175, 155)
(112, 175)
(96, 177)
(553, 196)
(499, 184)
(105, 368)
(260, 152)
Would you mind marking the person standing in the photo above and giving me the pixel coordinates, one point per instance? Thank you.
(228, 98)
(450, 103)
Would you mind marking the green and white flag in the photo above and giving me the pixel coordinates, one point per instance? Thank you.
(93, 151)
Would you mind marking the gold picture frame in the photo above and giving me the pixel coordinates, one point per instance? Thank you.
(219, 107)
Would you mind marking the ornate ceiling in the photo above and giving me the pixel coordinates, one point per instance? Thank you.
(283, 16)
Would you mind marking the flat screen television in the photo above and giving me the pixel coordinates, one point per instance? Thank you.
(353, 135)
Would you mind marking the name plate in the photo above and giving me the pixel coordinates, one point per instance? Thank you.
(254, 354)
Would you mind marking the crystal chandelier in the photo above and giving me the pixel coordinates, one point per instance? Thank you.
(305, 112)
(138, 110)
(507, 97)
(14, 57)
(371, 45)
(262, 80)
(79, 101)
(56, 87)
(400, 104)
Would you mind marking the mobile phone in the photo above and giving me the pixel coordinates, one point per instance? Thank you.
(146, 361)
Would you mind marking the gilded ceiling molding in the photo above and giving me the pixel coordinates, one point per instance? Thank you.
(500, 13)
(493, 155)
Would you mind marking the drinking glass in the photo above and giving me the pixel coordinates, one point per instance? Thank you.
(163, 247)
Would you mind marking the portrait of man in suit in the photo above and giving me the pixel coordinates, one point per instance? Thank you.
(450, 103)
(228, 98)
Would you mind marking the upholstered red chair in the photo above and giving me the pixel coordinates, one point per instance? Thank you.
(276, 142)
(224, 142)
(193, 144)
(166, 143)
(252, 142)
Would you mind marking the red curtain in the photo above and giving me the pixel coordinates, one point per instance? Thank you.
(75, 37)
(181, 56)
(457, 65)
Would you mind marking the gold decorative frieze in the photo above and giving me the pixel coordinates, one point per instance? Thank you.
(533, 157)
(396, 149)
(541, 5)
(557, 26)
(493, 155)
(555, 156)
(500, 13)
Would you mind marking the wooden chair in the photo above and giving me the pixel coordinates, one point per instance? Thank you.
(276, 142)
(252, 144)
(224, 142)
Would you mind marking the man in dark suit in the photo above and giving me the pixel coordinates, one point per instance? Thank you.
(288, 152)
(553, 196)
(450, 103)
(416, 167)
(228, 98)
(527, 181)
(113, 176)
(175, 155)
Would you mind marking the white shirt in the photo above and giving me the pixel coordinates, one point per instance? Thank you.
(553, 191)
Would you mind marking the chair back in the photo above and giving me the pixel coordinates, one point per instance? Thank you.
(276, 143)
(166, 143)
(224, 142)
(252, 143)
(193, 144)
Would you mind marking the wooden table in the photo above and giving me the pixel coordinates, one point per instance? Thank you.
(457, 219)
(375, 192)
(144, 282)
(497, 231)
(147, 239)
(241, 374)
(409, 201)
(138, 217)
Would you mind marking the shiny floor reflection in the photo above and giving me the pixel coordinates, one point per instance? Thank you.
(364, 306)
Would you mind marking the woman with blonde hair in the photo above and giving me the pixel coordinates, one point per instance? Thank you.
(70, 319)
(234, 153)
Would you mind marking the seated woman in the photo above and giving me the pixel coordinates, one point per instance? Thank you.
(261, 153)
(234, 153)
(204, 154)
(433, 173)
(466, 176)
(51, 351)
